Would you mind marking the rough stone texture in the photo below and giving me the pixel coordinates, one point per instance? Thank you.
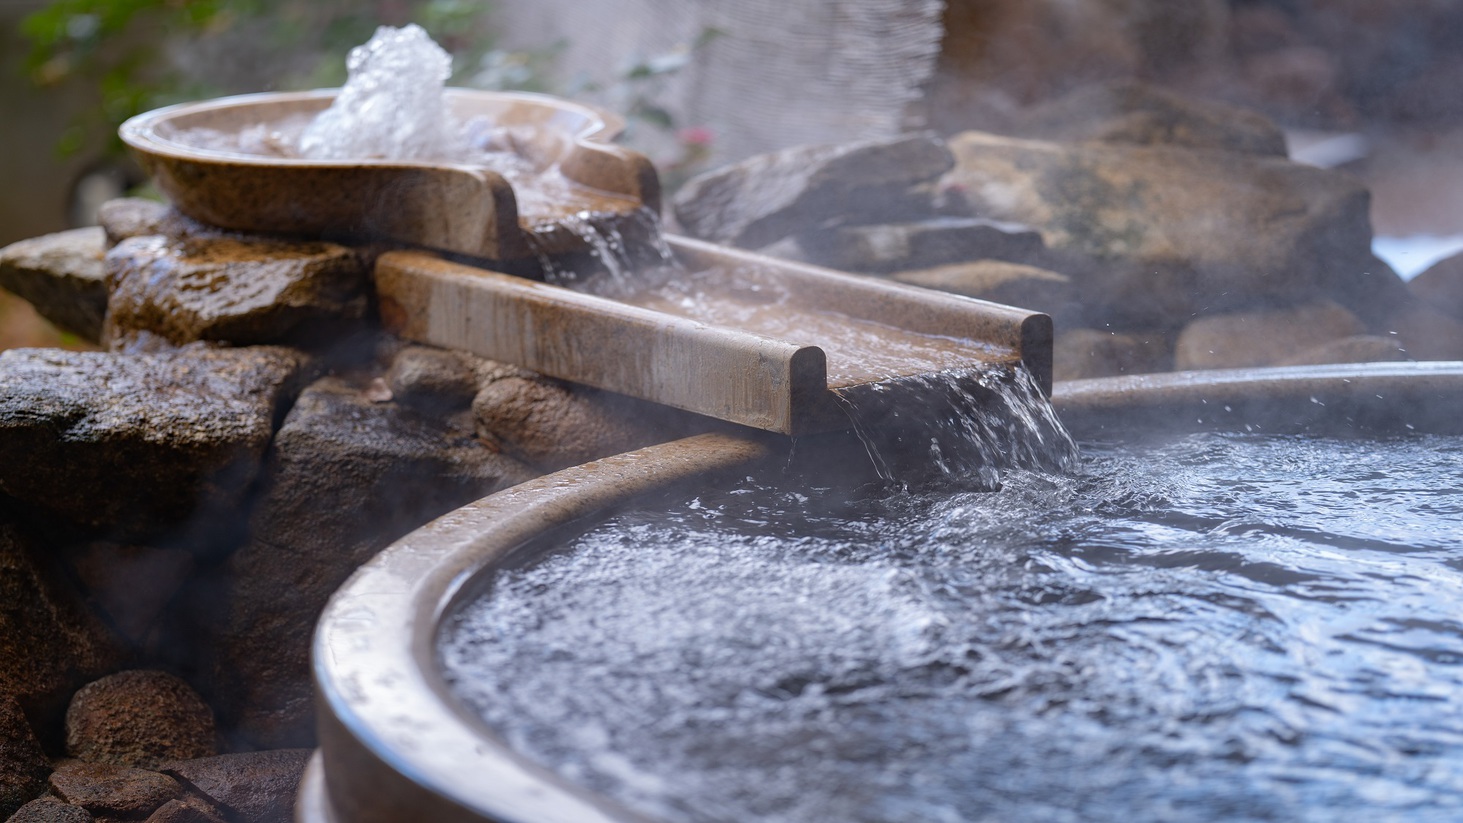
(1441, 286)
(347, 476)
(242, 291)
(890, 247)
(49, 642)
(1362, 348)
(135, 217)
(433, 380)
(130, 585)
(1174, 233)
(551, 425)
(1013, 284)
(1081, 353)
(1262, 337)
(23, 766)
(1137, 113)
(50, 810)
(63, 276)
(132, 444)
(139, 718)
(113, 792)
(764, 198)
(252, 787)
(189, 810)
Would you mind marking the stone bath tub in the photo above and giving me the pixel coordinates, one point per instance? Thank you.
(398, 744)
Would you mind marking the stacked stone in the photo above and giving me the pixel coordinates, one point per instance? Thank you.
(1159, 232)
(177, 505)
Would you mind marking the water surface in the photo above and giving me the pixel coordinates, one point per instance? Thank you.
(1218, 627)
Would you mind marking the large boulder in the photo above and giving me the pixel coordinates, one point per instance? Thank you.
(1161, 233)
(350, 472)
(242, 291)
(50, 643)
(550, 424)
(139, 718)
(765, 198)
(888, 247)
(1262, 337)
(135, 444)
(63, 275)
(50, 810)
(1441, 286)
(1136, 113)
(1081, 353)
(24, 767)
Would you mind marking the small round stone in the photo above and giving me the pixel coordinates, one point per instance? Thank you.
(139, 718)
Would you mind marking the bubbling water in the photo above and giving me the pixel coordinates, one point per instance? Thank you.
(1213, 628)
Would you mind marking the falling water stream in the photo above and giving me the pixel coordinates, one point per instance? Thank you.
(1217, 627)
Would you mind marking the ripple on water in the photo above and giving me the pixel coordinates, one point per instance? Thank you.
(1212, 628)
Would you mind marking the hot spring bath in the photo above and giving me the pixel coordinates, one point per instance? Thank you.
(1205, 626)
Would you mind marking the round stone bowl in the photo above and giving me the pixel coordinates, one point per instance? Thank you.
(454, 207)
(395, 745)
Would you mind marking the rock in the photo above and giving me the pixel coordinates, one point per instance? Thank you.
(139, 718)
(434, 380)
(136, 217)
(252, 787)
(347, 477)
(1262, 337)
(1126, 111)
(1362, 348)
(131, 585)
(1171, 232)
(1082, 353)
(1013, 284)
(134, 444)
(113, 792)
(23, 766)
(243, 291)
(1441, 286)
(50, 810)
(49, 642)
(764, 198)
(1425, 332)
(63, 276)
(551, 425)
(890, 247)
(188, 810)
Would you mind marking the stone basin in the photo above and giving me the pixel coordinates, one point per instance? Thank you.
(397, 745)
(455, 207)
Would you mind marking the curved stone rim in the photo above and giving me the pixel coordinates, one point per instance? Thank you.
(394, 744)
(1421, 396)
(143, 132)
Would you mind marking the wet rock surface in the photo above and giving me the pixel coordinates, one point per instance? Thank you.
(242, 291)
(63, 275)
(768, 197)
(139, 718)
(50, 810)
(130, 444)
(886, 247)
(347, 475)
(1082, 353)
(1014, 284)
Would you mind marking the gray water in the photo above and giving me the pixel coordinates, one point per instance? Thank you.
(1218, 627)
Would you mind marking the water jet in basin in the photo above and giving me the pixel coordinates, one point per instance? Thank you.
(1222, 581)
